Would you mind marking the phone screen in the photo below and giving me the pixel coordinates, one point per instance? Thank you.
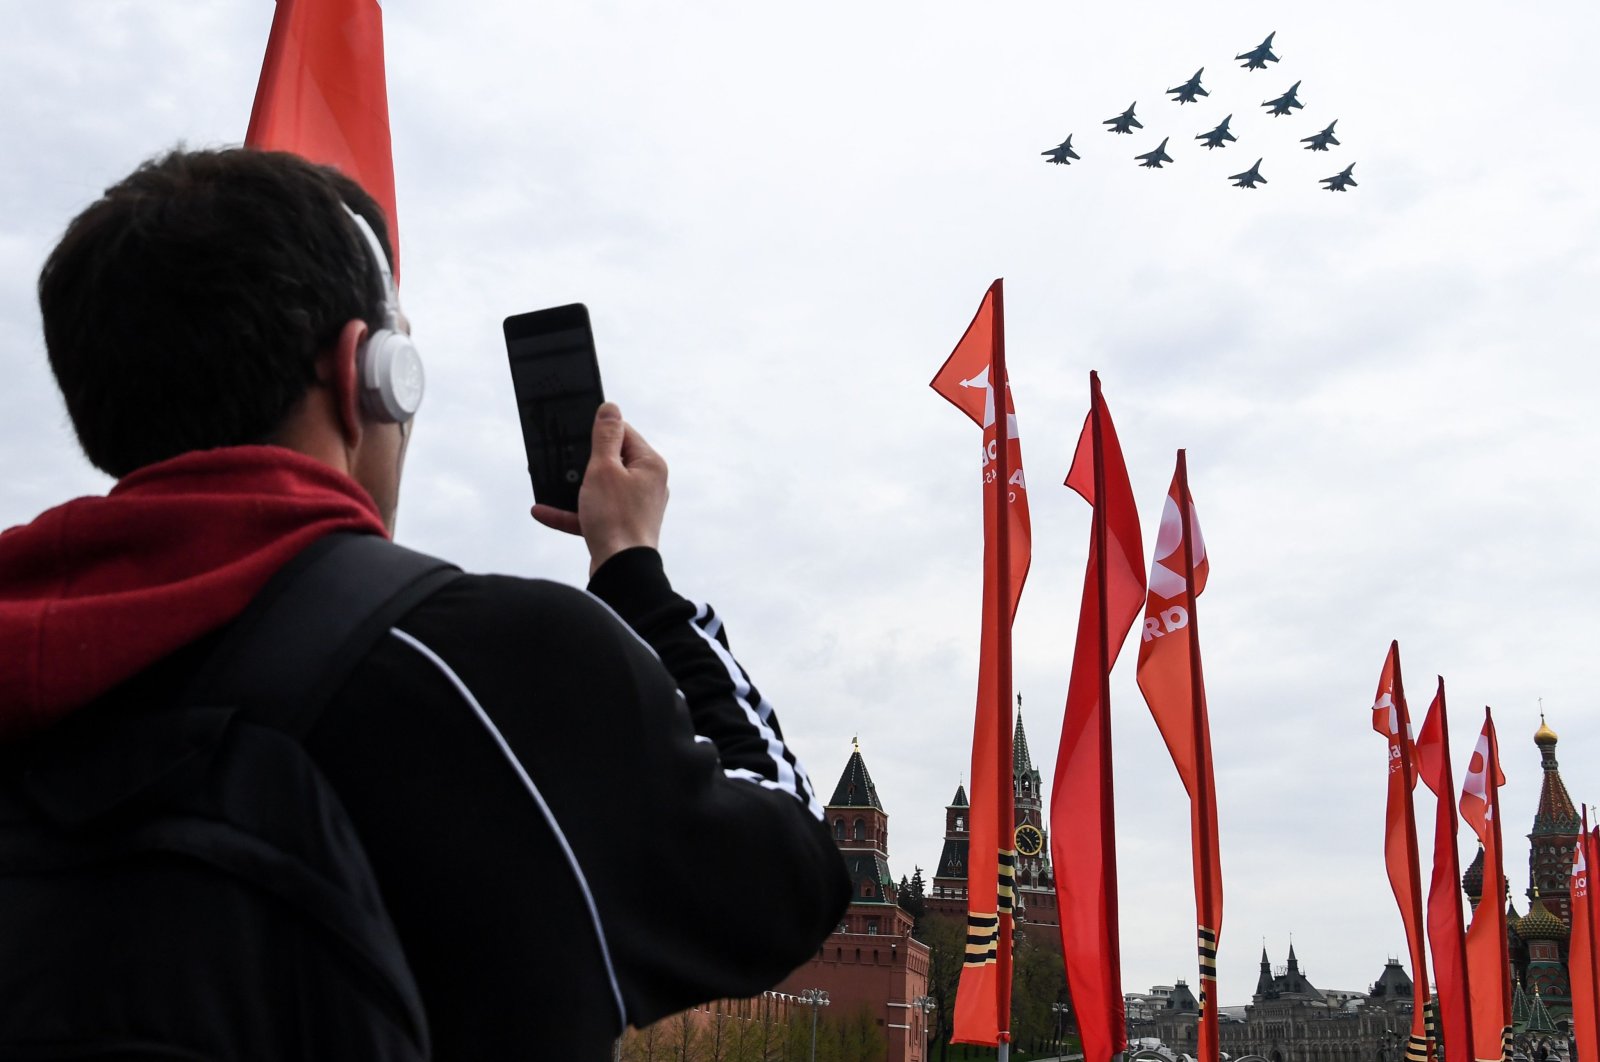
(556, 378)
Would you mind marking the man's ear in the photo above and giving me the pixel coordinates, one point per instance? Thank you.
(346, 381)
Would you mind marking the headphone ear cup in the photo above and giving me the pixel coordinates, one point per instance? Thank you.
(391, 376)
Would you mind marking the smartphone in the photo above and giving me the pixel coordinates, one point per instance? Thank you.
(556, 378)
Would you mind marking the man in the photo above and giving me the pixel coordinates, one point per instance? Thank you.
(565, 842)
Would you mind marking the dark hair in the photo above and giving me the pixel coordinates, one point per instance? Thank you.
(185, 308)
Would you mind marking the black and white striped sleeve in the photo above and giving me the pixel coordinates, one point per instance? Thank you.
(742, 857)
(727, 709)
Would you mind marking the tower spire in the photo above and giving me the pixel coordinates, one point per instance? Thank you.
(855, 788)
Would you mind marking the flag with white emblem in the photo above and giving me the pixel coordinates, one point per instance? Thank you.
(974, 380)
(1488, 956)
(1583, 963)
(1391, 719)
(1173, 685)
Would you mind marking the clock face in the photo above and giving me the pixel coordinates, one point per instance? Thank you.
(1029, 840)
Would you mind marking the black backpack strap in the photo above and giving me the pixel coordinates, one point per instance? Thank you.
(298, 641)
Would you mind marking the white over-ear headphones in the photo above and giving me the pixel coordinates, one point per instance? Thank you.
(388, 367)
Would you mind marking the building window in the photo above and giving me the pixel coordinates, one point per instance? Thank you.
(961, 824)
(838, 829)
(861, 830)
(872, 926)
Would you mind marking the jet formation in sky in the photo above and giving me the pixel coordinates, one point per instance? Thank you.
(1221, 136)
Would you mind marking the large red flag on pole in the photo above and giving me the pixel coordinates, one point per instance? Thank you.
(974, 379)
(1447, 925)
(322, 95)
(1583, 965)
(1488, 958)
(1171, 679)
(1391, 718)
(1082, 819)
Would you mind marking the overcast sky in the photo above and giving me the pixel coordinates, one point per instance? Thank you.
(782, 217)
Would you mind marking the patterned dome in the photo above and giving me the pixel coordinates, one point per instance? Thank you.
(1540, 923)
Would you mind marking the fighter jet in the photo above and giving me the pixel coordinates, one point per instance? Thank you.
(1249, 178)
(1154, 159)
(1215, 138)
(1062, 154)
(1187, 91)
(1258, 57)
(1122, 122)
(1341, 180)
(1320, 141)
(1282, 104)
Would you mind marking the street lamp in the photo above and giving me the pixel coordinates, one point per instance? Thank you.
(1060, 1011)
(815, 998)
(925, 1005)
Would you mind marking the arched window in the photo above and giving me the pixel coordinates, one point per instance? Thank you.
(861, 829)
(961, 824)
(838, 829)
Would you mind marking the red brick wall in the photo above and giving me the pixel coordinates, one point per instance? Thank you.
(883, 973)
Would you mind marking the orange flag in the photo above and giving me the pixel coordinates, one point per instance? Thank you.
(1583, 963)
(1447, 926)
(1082, 818)
(1391, 718)
(322, 95)
(1488, 960)
(1170, 678)
(974, 379)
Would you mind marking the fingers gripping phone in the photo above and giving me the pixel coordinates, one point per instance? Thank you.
(556, 377)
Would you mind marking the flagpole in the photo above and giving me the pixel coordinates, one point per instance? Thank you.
(1203, 786)
(1003, 794)
(1408, 782)
(1107, 811)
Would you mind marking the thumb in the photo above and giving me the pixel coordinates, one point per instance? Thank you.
(608, 433)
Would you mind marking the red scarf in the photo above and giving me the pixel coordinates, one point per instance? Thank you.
(98, 589)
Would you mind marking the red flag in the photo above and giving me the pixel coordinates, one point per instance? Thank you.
(322, 95)
(1447, 926)
(1391, 719)
(983, 996)
(1170, 678)
(1082, 820)
(1583, 962)
(1488, 960)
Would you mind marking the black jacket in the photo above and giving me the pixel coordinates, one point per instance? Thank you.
(579, 811)
(568, 834)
